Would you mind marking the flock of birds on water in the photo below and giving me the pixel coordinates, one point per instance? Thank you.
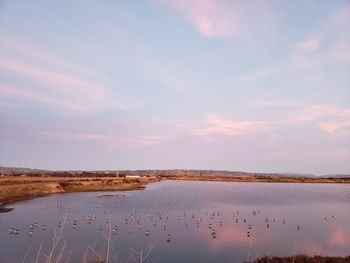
(155, 220)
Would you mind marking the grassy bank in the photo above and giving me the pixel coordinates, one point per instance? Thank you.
(266, 179)
(15, 188)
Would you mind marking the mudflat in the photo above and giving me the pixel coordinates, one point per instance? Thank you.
(17, 188)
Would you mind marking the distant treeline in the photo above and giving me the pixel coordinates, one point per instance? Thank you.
(157, 173)
(123, 173)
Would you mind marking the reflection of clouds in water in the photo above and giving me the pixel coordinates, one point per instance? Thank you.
(228, 236)
(338, 237)
(305, 231)
(249, 193)
(333, 246)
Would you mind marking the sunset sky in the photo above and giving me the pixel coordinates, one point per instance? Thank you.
(195, 84)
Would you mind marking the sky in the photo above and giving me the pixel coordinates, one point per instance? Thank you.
(258, 86)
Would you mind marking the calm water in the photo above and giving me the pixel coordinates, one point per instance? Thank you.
(206, 221)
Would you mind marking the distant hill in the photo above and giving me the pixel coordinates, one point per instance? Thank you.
(168, 172)
(336, 176)
(295, 175)
(13, 170)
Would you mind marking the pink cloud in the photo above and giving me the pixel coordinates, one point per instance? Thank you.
(309, 45)
(339, 127)
(218, 125)
(337, 123)
(228, 236)
(331, 119)
(313, 112)
(211, 18)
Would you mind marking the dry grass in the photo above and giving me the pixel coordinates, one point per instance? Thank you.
(14, 188)
(302, 259)
(267, 179)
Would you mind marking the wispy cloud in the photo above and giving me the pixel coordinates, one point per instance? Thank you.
(339, 127)
(25, 49)
(82, 136)
(341, 52)
(329, 43)
(169, 122)
(273, 103)
(48, 100)
(6, 106)
(211, 18)
(261, 73)
(333, 120)
(308, 45)
(314, 112)
(51, 81)
(218, 125)
(329, 118)
(58, 86)
(75, 136)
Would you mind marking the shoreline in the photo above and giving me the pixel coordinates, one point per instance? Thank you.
(18, 188)
(14, 188)
(259, 179)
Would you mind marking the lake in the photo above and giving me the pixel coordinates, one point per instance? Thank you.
(181, 221)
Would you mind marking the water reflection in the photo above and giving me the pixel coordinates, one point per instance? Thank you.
(337, 237)
(183, 221)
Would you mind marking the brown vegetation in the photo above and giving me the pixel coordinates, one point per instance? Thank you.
(16, 188)
(268, 179)
(301, 259)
